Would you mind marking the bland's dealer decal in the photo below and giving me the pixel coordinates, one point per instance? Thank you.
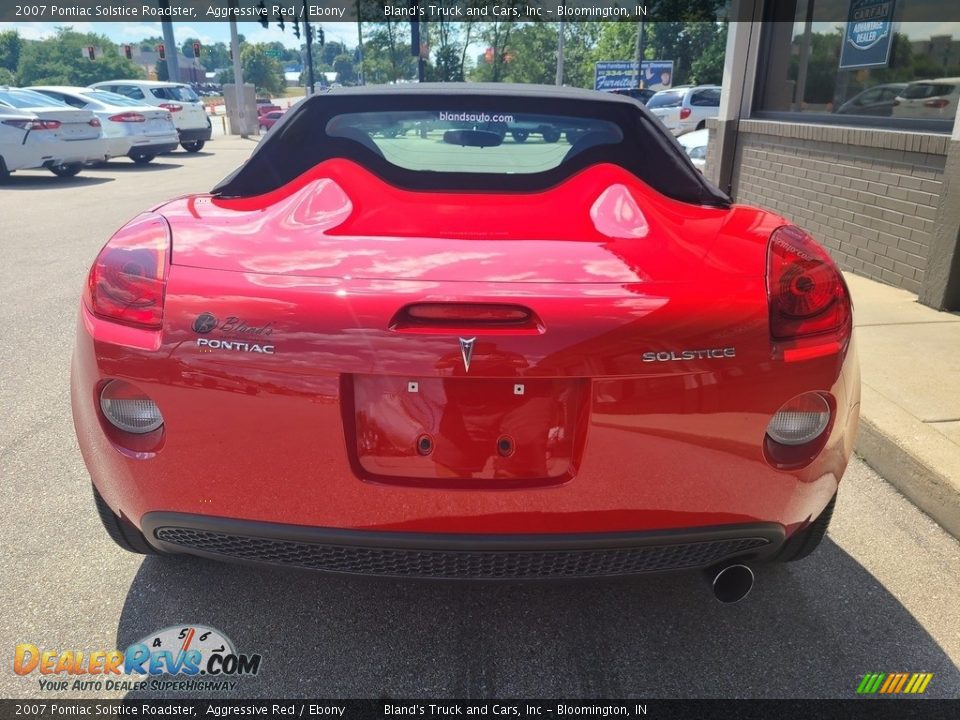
(235, 334)
(205, 657)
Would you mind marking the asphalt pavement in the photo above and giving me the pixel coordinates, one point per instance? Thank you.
(882, 594)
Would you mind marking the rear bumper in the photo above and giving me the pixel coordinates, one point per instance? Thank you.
(195, 134)
(441, 556)
(158, 148)
(76, 151)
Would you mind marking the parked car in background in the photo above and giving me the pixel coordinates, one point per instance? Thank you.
(928, 99)
(268, 120)
(641, 94)
(131, 128)
(266, 105)
(686, 107)
(695, 145)
(189, 115)
(66, 138)
(877, 101)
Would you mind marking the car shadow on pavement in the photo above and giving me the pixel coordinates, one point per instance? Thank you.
(808, 629)
(20, 181)
(133, 167)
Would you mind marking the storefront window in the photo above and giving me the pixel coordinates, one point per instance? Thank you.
(893, 63)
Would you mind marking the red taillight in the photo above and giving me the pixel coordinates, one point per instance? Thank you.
(94, 123)
(128, 279)
(806, 292)
(172, 107)
(33, 124)
(938, 103)
(685, 113)
(133, 117)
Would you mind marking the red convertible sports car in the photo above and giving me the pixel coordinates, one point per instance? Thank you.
(399, 341)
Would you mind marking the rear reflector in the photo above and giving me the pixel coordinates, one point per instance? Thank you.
(800, 420)
(128, 279)
(129, 409)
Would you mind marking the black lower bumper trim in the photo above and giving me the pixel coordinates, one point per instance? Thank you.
(460, 556)
(148, 150)
(187, 136)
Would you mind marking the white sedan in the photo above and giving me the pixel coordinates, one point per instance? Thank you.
(37, 132)
(132, 128)
(695, 145)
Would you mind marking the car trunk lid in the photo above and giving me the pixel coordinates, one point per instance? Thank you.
(600, 226)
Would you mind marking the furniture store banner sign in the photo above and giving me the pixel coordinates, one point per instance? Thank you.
(622, 74)
(868, 35)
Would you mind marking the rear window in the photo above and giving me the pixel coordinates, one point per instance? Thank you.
(131, 91)
(453, 141)
(27, 99)
(706, 98)
(109, 98)
(919, 91)
(183, 94)
(666, 99)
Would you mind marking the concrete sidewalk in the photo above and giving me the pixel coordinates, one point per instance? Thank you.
(910, 410)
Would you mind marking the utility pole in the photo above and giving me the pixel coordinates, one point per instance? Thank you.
(170, 45)
(560, 54)
(237, 71)
(360, 80)
(640, 50)
(311, 83)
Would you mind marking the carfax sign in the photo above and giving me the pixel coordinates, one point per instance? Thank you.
(868, 36)
(622, 74)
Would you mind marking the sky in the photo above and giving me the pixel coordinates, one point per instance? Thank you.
(208, 32)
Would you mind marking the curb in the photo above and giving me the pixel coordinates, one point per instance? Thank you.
(913, 457)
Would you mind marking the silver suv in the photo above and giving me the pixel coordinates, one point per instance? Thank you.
(686, 107)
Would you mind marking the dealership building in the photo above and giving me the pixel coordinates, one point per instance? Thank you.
(850, 130)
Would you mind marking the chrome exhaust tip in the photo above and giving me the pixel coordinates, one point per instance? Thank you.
(732, 583)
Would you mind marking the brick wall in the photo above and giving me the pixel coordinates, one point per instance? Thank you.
(870, 196)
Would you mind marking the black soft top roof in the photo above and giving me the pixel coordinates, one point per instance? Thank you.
(299, 140)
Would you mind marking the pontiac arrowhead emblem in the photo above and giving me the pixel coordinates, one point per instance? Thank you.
(466, 352)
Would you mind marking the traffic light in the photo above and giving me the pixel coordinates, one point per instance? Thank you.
(196, 49)
(262, 14)
(296, 29)
(128, 52)
(91, 53)
(161, 52)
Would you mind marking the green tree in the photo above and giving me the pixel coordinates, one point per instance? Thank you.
(7, 77)
(59, 60)
(265, 72)
(150, 44)
(617, 41)
(580, 41)
(10, 46)
(496, 35)
(386, 53)
(707, 68)
(344, 67)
